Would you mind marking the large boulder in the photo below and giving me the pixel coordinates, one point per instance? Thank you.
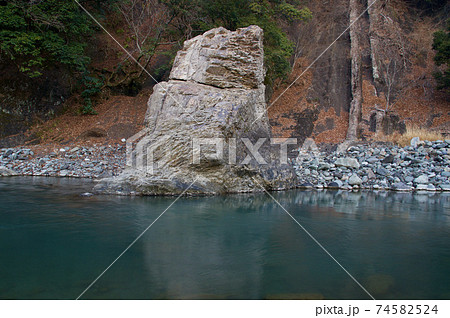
(223, 59)
(207, 127)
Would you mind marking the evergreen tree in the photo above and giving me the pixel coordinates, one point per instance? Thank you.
(441, 44)
(36, 33)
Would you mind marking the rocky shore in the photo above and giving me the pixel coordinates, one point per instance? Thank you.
(76, 162)
(423, 166)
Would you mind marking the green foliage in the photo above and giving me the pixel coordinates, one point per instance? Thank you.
(232, 14)
(92, 86)
(441, 44)
(277, 47)
(36, 33)
(291, 13)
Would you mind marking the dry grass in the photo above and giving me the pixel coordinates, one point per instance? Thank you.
(411, 132)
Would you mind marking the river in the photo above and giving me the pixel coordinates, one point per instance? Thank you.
(55, 242)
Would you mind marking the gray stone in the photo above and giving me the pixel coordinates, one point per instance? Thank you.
(421, 187)
(409, 179)
(383, 171)
(325, 173)
(314, 163)
(354, 180)
(399, 186)
(370, 174)
(388, 159)
(405, 163)
(106, 174)
(444, 187)
(431, 187)
(306, 185)
(324, 166)
(415, 141)
(423, 179)
(98, 170)
(5, 172)
(347, 162)
(446, 174)
(336, 184)
(372, 160)
(64, 173)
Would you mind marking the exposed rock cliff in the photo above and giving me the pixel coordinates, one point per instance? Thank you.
(356, 76)
(207, 125)
(363, 81)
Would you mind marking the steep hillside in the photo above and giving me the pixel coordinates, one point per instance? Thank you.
(319, 99)
(394, 57)
(398, 89)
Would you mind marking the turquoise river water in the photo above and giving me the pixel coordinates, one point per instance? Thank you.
(54, 243)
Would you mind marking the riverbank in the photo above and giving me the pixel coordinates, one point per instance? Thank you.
(89, 161)
(424, 166)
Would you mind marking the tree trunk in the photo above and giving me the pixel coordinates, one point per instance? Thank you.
(356, 78)
(374, 14)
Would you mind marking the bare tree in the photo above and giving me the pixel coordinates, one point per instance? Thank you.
(146, 21)
(390, 58)
(390, 76)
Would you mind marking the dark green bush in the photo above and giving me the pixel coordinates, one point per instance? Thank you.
(201, 15)
(441, 44)
(36, 33)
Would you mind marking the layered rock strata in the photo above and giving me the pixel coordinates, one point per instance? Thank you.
(207, 128)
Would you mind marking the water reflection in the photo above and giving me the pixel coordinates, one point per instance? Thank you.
(54, 242)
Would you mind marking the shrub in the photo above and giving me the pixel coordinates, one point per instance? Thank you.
(36, 33)
(441, 44)
(201, 15)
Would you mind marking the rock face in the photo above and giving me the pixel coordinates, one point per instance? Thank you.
(223, 59)
(207, 125)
